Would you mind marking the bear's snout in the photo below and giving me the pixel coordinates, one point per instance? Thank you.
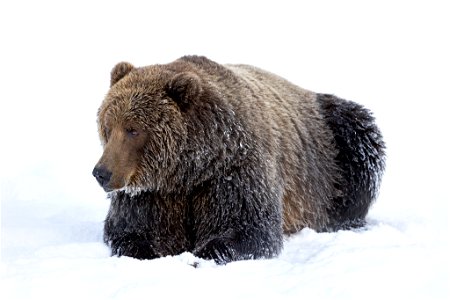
(103, 177)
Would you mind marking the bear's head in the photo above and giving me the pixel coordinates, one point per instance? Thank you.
(142, 126)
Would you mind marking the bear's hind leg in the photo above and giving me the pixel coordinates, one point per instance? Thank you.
(361, 155)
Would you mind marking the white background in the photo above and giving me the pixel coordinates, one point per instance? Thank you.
(55, 59)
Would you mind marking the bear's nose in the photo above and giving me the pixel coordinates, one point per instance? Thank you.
(102, 175)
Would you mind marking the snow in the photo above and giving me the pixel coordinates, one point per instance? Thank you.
(55, 62)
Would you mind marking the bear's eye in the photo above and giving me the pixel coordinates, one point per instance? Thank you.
(131, 131)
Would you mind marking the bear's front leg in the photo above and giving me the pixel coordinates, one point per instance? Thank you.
(132, 245)
(237, 220)
(146, 225)
(221, 250)
(128, 226)
(242, 244)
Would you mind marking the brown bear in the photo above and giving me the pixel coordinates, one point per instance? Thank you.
(221, 160)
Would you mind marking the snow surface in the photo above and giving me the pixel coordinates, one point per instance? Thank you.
(391, 56)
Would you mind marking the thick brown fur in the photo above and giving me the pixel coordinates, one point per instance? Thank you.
(220, 160)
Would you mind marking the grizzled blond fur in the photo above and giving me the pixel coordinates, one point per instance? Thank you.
(285, 119)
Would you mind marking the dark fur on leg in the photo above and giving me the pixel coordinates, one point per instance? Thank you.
(252, 244)
(361, 157)
(251, 229)
(142, 226)
(132, 245)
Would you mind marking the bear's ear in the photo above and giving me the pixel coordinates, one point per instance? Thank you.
(184, 87)
(119, 71)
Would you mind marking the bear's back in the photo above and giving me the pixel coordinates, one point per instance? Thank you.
(281, 113)
(295, 145)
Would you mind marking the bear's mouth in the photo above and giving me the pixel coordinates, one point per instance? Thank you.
(108, 189)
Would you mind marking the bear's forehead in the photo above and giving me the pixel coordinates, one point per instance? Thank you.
(140, 82)
(121, 113)
(136, 96)
(131, 103)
